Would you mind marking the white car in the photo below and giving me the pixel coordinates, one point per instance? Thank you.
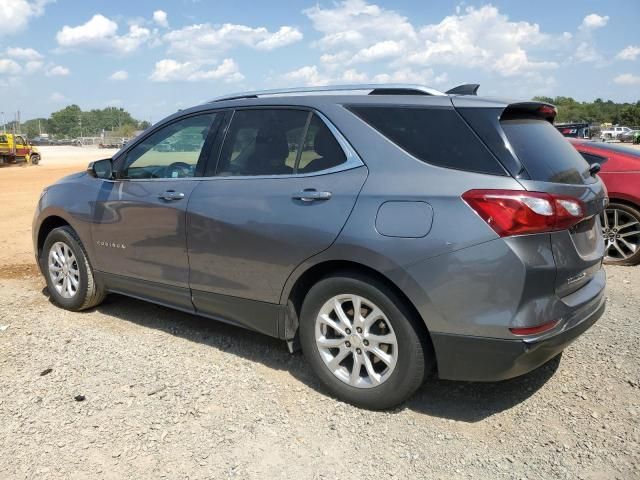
(613, 132)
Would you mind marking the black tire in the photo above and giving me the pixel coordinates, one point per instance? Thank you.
(35, 159)
(616, 258)
(415, 358)
(89, 293)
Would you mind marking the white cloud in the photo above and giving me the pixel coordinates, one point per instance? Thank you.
(33, 66)
(23, 53)
(308, 75)
(311, 75)
(594, 21)
(57, 71)
(57, 97)
(169, 70)
(627, 79)
(357, 24)
(586, 52)
(119, 75)
(354, 31)
(160, 17)
(204, 40)
(15, 14)
(101, 34)
(629, 53)
(9, 67)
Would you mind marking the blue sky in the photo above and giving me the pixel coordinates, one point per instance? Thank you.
(154, 57)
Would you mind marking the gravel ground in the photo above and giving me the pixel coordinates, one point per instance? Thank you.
(132, 390)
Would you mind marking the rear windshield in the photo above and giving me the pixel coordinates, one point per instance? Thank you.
(434, 135)
(545, 153)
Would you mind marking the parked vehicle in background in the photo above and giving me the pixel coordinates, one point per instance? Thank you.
(632, 136)
(612, 133)
(16, 148)
(620, 172)
(574, 130)
(398, 237)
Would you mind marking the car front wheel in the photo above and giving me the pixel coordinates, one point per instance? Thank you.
(69, 276)
(363, 342)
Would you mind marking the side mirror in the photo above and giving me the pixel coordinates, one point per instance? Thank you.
(101, 169)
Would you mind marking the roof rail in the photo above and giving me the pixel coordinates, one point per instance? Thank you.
(371, 89)
(465, 89)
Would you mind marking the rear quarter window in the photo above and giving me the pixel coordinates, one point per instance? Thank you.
(545, 153)
(437, 136)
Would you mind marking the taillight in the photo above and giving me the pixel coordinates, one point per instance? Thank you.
(518, 212)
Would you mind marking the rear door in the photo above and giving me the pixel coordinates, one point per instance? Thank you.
(282, 189)
(551, 164)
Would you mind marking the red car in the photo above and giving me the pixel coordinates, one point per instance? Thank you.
(621, 175)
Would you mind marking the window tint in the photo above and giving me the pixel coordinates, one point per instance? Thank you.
(171, 152)
(262, 142)
(434, 135)
(321, 150)
(545, 153)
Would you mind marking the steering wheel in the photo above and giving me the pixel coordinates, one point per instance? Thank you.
(178, 170)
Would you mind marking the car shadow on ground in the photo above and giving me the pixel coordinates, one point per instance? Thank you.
(462, 401)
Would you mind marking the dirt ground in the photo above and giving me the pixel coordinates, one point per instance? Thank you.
(133, 390)
(20, 187)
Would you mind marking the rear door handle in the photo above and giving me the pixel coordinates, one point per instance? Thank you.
(311, 195)
(170, 195)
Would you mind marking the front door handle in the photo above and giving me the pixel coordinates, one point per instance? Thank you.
(170, 195)
(311, 195)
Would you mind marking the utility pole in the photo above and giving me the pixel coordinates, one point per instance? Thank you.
(4, 125)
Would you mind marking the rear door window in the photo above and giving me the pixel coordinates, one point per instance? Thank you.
(262, 142)
(437, 136)
(545, 153)
(321, 150)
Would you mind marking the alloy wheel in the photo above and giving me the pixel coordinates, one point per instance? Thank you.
(63, 270)
(356, 341)
(621, 232)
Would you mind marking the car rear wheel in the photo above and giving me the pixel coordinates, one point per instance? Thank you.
(621, 231)
(69, 275)
(363, 342)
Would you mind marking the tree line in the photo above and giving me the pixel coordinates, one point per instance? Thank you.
(73, 122)
(596, 112)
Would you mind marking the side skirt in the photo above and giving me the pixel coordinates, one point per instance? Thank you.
(262, 317)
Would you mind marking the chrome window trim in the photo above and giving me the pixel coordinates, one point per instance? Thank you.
(353, 159)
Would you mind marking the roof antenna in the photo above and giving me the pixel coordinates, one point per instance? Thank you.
(465, 89)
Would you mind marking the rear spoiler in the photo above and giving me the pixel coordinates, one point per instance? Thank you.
(465, 89)
(542, 110)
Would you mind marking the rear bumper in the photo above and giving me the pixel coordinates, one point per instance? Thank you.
(483, 359)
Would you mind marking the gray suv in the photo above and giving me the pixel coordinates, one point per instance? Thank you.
(389, 231)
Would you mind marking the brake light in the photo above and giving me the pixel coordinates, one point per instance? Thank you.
(548, 111)
(535, 330)
(516, 212)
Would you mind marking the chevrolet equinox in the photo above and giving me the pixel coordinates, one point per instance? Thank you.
(389, 231)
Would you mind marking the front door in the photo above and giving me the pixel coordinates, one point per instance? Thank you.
(22, 149)
(139, 222)
(282, 191)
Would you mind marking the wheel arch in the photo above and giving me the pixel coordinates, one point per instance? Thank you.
(295, 296)
(47, 225)
(624, 200)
